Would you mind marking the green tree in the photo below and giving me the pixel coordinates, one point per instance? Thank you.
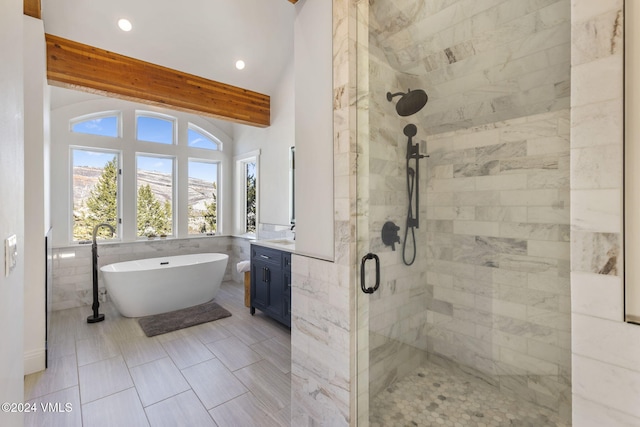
(251, 199)
(204, 220)
(101, 205)
(154, 218)
(211, 212)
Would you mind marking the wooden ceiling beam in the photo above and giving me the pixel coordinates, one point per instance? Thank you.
(82, 67)
(32, 8)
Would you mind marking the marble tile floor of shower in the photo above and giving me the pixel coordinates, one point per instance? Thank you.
(433, 395)
(231, 372)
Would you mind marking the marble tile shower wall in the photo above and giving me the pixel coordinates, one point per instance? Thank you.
(72, 276)
(498, 254)
(606, 369)
(481, 61)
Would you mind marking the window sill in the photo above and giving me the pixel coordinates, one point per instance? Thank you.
(74, 245)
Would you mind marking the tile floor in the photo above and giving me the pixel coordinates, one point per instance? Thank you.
(434, 395)
(231, 372)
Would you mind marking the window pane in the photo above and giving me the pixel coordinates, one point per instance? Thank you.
(155, 196)
(95, 192)
(203, 197)
(250, 173)
(102, 126)
(154, 129)
(198, 139)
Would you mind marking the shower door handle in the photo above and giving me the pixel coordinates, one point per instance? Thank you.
(366, 258)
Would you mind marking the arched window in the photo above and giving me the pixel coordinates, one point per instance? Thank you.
(152, 127)
(199, 138)
(101, 124)
(159, 178)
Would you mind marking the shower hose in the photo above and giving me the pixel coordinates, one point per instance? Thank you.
(411, 179)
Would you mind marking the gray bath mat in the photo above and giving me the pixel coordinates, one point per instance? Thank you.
(172, 321)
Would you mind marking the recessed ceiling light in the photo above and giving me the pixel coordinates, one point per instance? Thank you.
(125, 24)
(240, 64)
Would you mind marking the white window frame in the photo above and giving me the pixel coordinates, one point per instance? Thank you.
(118, 154)
(219, 190)
(128, 146)
(241, 191)
(174, 191)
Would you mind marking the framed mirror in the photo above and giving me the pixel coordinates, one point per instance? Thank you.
(631, 170)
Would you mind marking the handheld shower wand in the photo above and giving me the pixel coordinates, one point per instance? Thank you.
(413, 187)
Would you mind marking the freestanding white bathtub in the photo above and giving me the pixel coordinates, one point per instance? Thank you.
(158, 285)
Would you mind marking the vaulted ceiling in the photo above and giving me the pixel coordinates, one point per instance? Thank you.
(200, 37)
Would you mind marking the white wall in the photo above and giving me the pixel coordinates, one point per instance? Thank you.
(314, 128)
(274, 143)
(12, 206)
(36, 188)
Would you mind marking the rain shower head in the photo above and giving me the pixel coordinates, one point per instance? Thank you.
(410, 102)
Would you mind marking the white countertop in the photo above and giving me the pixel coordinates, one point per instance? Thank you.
(286, 245)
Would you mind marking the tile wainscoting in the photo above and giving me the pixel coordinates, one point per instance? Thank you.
(72, 275)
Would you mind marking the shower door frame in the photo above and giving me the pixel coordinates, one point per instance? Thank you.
(368, 235)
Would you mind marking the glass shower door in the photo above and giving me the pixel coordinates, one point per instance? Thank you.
(391, 224)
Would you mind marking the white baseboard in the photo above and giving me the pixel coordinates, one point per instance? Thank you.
(34, 361)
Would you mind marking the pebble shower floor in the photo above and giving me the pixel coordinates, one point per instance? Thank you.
(435, 396)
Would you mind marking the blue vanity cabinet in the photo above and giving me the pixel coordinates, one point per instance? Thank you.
(271, 283)
(287, 288)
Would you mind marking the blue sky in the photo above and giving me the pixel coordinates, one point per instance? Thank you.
(98, 159)
(104, 126)
(251, 168)
(198, 140)
(155, 130)
(155, 164)
(148, 129)
(205, 171)
(94, 159)
(151, 129)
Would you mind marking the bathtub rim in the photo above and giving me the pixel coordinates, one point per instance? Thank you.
(113, 267)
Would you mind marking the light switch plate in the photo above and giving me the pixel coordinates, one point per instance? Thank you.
(10, 254)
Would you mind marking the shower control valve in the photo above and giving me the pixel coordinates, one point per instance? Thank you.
(390, 234)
